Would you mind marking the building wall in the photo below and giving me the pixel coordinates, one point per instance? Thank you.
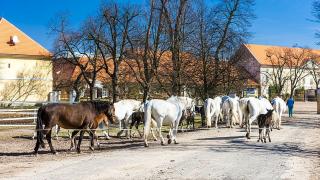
(35, 69)
(248, 61)
(307, 82)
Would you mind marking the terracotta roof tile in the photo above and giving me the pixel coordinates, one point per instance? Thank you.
(25, 46)
(260, 52)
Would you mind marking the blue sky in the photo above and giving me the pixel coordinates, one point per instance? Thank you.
(278, 22)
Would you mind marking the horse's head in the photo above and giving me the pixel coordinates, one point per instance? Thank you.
(110, 113)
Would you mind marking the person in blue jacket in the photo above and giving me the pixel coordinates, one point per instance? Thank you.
(290, 103)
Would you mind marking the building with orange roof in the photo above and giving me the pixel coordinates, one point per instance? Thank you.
(25, 66)
(259, 61)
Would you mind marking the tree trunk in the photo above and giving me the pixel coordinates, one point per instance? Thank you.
(146, 91)
(115, 88)
(76, 99)
(91, 88)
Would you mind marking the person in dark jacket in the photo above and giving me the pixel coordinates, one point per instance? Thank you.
(290, 104)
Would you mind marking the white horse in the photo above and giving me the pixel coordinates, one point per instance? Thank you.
(243, 107)
(231, 112)
(163, 111)
(188, 103)
(212, 109)
(279, 107)
(255, 107)
(123, 112)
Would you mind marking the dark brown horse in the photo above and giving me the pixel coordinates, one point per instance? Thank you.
(83, 117)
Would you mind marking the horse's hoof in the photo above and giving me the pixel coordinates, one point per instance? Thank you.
(176, 142)
(168, 136)
(269, 140)
(108, 138)
(169, 141)
(248, 136)
(55, 152)
(162, 144)
(146, 145)
(43, 146)
(258, 140)
(91, 148)
(155, 139)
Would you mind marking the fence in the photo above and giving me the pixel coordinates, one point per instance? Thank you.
(18, 117)
(19, 113)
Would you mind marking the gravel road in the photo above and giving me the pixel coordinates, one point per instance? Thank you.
(223, 153)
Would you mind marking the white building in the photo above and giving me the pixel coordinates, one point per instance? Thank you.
(25, 66)
(262, 61)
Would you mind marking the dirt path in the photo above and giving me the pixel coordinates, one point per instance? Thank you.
(205, 154)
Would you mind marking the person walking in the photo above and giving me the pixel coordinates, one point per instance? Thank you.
(290, 103)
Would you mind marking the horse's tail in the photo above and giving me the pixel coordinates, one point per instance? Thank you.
(207, 110)
(147, 121)
(39, 127)
(247, 107)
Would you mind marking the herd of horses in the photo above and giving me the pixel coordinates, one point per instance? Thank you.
(87, 116)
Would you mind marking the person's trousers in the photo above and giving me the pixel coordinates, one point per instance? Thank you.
(290, 111)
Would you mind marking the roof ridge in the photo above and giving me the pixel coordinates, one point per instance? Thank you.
(279, 46)
(4, 20)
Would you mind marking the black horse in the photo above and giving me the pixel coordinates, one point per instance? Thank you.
(84, 117)
(265, 122)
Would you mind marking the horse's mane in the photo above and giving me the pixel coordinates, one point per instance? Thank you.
(99, 106)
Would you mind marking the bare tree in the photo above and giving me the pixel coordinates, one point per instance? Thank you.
(230, 22)
(110, 32)
(296, 58)
(77, 48)
(175, 12)
(63, 77)
(219, 32)
(147, 47)
(314, 70)
(28, 83)
(278, 59)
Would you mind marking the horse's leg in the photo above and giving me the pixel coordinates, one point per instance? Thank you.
(36, 149)
(121, 131)
(169, 136)
(260, 134)
(154, 125)
(137, 127)
(126, 123)
(57, 130)
(250, 120)
(104, 132)
(248, 129)
(268, 133)
(216, 117)
(264, 134)
(159, 124)
(92, 137)
(73, 140)
(48, 137)
(79, 142)
(174, 132)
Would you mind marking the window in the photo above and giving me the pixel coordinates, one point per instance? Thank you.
(105, 92)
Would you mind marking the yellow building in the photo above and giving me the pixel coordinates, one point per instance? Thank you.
(25, 66)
